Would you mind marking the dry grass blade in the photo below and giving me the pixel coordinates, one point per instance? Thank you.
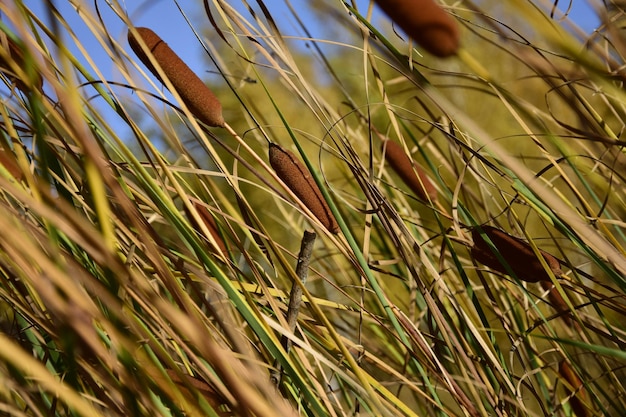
(411, 173)
(517, 255)
(574, 385)
(426, 22)
(197, 96)
(295, 175)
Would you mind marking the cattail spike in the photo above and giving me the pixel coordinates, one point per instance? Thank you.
(9, 162)
(517, 254)
(426, 22)
(210, 223)
(411, 173)
(15, 53)
(574, 385)
(557, 302)
(298, 178)
(201, 101)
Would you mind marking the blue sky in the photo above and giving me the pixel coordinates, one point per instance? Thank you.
(165, 18)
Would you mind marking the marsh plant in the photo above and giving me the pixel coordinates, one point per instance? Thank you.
(339, 208)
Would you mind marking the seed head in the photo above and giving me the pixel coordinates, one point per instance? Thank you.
(201, 101)
(411, 173)
(209, 222)
(13, 52)
(517, 255)
(557, 302)
(298, 178)
(426, 22)
(574, 384)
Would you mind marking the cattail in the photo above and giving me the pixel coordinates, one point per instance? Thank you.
(210, 224)
(557, 302)
(201, 101)
(426, 22)
(15, 54)
(295, 175)
(411, 173)
(7, 160)
(185, 382)
(517, 255)
(574, 384)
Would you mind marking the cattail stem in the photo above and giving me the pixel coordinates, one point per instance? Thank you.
(295, 297)
(200, 100)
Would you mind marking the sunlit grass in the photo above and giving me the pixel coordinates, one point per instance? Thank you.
(147, 260)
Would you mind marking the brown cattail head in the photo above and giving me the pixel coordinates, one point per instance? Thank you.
(298, 178)
(557, 302)
(8, 161)
(199, 99)
(188, 386)
(574, 384)
(12, 52)
(411, 173)
(517, 255)
(210, 224)
(426, 22)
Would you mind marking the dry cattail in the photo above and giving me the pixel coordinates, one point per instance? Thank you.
(574, 385)
(13, 52)
(411, 173)
(557, 302)
(517, 254)
(295, 175)
(199, 99)
(210, 224)
(7, 160)
(185, 382)
(426, 22)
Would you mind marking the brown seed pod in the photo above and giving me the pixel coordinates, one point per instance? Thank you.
(298, 178)
(426, 22)
(201, 101)
(517, 254)
(574, 384)
(185, 382)
(13, 52)
(8, 161)
(411, 173)
(209, 222)
(557, 302)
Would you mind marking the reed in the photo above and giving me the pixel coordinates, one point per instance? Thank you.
(298, 178)
(517, 255)
(426, 23)
(114, 303)
(409, 171)
(200, 100)
(574, 386)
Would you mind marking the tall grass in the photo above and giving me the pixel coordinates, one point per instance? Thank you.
(151, 264)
